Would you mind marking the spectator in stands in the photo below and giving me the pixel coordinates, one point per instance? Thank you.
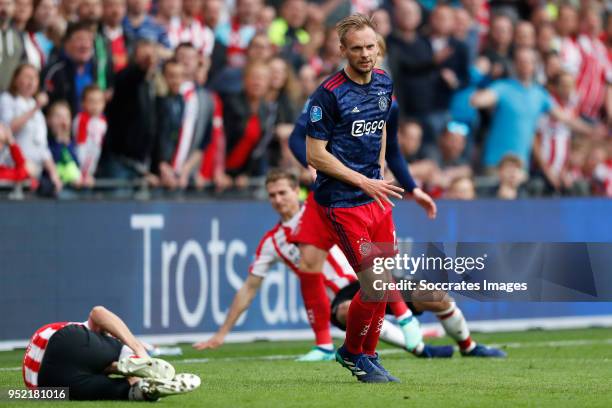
(167, 12)
(132, 118)
(11, 53)
(42, 29)
(68, 10)
(468, 31)
(287, 31)
(499, 46)
(461, 188)
(63, 147)
(553, 138)
(382, 20)
(308, 84)
(187, 28)
(138, 24)
(594, 82)
(524, 35)
(236, 34)
(598, 170)
(450, 158)
(76, 69)
(170, 110)
(410, 136)
(90, 12)
(329, 59)
(113, 13)
(519, 103)
(452, 74)
(567, 29)
(248, 131)
(211, 13)
(89, 130)
(20, 109)
(413, 66)
(282, 98)
(229, 79)
(12, 162)
(512, 176)
(207, 149)
(23, 12)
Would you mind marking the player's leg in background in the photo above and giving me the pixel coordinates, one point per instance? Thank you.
(312, 286)
(409, 324)
(314, 244)
(452, 320)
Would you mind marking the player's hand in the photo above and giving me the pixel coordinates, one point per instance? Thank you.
(215, 341)
(424, 200)
(380, 190)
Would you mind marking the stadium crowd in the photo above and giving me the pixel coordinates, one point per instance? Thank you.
(191, 94)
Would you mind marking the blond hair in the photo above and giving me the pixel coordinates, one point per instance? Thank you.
(354, 22)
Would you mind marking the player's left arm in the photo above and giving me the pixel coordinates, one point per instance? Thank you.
(103, 320)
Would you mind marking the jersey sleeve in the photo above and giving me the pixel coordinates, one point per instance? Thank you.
(265, 257)
(393, 155)
(322, 114)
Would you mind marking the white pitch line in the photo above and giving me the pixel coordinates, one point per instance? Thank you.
(529, 344)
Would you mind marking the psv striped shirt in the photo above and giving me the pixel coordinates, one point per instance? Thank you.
(274, 247)
(36, 350)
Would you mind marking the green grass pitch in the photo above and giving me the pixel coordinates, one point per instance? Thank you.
(570, 368)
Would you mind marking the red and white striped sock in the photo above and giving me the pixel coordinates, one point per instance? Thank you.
(456, 327)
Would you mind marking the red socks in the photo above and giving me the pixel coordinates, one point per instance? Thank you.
(371, 340)
(359, 319)
(317, 306)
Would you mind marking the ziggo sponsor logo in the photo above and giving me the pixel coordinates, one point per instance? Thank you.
(361, 127)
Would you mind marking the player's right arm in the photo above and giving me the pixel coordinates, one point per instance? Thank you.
(242, 301)
(103, 320)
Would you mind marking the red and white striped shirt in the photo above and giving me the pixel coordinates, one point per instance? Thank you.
(274, 247)
(36, 350)
(594, 75)
(201, 37)
(569, 53)
(555, 136)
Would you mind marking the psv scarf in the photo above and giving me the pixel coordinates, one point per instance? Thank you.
(187, 130)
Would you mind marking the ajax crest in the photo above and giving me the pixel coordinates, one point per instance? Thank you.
(383, 103)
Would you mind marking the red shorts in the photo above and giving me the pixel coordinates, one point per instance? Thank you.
(362, 232)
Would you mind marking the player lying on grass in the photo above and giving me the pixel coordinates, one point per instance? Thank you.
(283, 192)
(81, 356)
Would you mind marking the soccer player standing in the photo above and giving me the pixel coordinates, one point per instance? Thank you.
(346, 144)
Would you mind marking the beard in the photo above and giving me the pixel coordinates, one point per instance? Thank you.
(357, 67)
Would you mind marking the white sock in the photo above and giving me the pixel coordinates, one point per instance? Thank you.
(126, 352)
(456, 327)
(392, 334)
(326, 346)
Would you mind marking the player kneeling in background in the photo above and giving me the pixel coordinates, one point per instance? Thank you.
(81, 356)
